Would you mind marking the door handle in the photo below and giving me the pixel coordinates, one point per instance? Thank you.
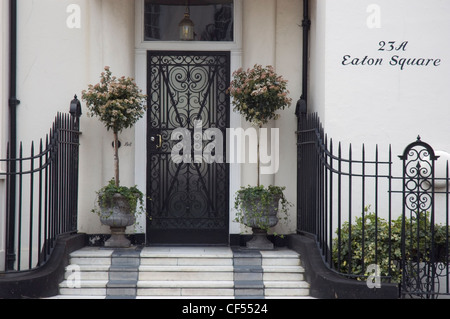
(159, 141)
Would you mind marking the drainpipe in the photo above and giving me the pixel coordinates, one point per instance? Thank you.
(13, 102)
(302, 104)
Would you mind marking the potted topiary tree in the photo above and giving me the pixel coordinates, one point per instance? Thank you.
(258, 93)
(119, 104)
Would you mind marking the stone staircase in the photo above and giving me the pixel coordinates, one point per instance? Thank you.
(183, 272)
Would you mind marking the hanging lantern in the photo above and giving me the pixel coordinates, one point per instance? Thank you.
(186, 27)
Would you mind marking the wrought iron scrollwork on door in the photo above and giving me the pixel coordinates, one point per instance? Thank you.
(186, 88)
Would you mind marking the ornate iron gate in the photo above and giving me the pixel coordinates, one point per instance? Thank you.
(189, 202)
(423, 267)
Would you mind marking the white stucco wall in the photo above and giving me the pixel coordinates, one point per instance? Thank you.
(381, 103)
(4, 19)
(272, 35)
(4, 44)
(64, 45)
(363, 103)
(289, 47)
(58, 58)
(113, 37)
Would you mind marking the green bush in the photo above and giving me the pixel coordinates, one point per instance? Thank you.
(362, 246)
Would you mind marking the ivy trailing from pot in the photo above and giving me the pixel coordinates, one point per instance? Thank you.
(259, 207)
(132, 195)
(258, 93)
(119, 207)
(119, 104)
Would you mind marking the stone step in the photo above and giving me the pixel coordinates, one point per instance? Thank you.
(286, 284)
(187, 252)
(219, 284)
(184, 272)
(186, 269)
(279, 276)
(185, 261)
(280, 292)
(182, 275)
(186, 292)
(85, 284)
(83, 287)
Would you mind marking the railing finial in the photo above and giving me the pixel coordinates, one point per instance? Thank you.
(75, 111)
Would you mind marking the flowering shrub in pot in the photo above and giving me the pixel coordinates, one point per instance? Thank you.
(258, 93)
(119, 104)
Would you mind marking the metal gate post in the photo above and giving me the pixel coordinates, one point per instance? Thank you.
(418, 273)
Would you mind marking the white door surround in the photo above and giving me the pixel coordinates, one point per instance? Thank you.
(235, 48)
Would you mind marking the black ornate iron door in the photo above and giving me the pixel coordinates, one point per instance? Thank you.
(188, 197)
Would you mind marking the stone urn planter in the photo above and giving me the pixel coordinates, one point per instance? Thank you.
(259, 218)
(118, 208)
(118, 214)
(259, 208)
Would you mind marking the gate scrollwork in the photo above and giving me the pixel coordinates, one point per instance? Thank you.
(419, 264)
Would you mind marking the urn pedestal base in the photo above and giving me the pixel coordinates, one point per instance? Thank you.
(117, 239)
(116, 214)
(260, 240)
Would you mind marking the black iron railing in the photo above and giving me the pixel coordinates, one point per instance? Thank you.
(372, 215)
(333, 189)
(41, 194)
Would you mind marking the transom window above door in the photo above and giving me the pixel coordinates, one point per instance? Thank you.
(202, 20)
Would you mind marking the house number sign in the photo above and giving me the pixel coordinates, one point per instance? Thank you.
(391, 54)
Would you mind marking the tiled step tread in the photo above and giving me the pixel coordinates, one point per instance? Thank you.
(249, 284)
(121, 284)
